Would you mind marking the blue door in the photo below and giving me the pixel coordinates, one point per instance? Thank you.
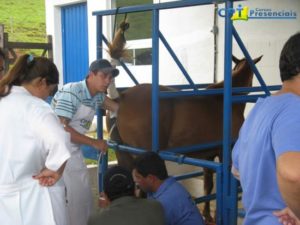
(75, 42)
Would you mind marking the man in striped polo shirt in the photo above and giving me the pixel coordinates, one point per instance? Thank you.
(76, 104)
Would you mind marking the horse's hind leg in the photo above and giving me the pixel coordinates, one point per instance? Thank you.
(125, 160)
(208, 186)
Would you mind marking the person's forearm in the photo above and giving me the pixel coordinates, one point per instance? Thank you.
(288, 177)
(290, 192)
(110, 105)
(79, 138)
(62, 168)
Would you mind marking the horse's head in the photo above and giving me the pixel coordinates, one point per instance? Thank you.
(242, 75)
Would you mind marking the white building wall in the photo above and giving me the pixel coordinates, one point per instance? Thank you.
(263, 36)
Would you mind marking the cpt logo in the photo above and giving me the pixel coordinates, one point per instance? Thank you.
(240, 13)
(243, 13)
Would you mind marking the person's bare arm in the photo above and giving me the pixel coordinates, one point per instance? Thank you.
(79, 138)
(288, 176)
(286, 216)
(110, 105)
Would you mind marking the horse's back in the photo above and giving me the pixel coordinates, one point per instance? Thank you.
(135, 113)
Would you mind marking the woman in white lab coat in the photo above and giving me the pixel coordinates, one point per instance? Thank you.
(34, 146)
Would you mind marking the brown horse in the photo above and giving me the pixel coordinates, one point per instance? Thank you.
(182, 121)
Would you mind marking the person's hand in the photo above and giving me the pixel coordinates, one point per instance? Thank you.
(103, 202)
(287, 217)
(100, 145)
(47, 177)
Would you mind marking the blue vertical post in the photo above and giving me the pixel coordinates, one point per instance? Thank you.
(219, 195)
(102, 161)
(155, 80)
(227, 195)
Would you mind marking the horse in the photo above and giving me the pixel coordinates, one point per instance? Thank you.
(182, 122)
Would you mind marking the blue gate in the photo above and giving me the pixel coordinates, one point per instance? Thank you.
(74, 42)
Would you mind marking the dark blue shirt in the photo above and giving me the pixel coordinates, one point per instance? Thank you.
(178, 205)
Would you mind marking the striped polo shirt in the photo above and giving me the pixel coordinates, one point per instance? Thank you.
(68, 99)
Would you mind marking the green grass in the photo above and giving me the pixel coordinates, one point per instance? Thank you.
(24, 20)
(111, 157)
(140, 23)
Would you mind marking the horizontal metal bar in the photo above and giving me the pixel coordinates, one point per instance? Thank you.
(194, 148)
(219, 91)
(247, 98)
(187, 86)
(201, 86)
(205, 198)
(168, 156)
(191, 161)
(255, 89)
(189, 175)
(158, 6)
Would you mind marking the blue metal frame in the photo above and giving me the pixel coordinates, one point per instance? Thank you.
(227, 109)
(249, 59)
(155, 80)
(226, 186)
(103, 159)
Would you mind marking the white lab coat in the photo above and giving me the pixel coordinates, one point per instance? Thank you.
(31, 138)
(76, 176)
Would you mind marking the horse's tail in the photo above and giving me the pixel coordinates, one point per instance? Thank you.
(116, 48)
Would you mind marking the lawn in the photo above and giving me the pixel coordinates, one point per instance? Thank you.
(24, 20)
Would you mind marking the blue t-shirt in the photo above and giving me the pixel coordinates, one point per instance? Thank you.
(271, 129)
(178, 205)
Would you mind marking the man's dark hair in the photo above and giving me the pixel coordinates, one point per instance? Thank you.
(151, 163)
(2, 54)
(118, 182)
(289, 62)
